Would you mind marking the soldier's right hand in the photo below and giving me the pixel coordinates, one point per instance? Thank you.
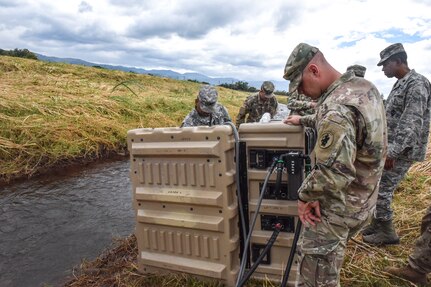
(293, 120)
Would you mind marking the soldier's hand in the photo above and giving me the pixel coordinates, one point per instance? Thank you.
(293, 120)
(309, 212)
(389, 163)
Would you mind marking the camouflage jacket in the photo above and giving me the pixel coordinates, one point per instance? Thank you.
(308, 121)
(408, 116)
(300, 104)
(350, 149)
(220, 117)
(255, 107)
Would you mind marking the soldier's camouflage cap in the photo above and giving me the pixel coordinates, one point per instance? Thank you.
(207, 98)
(359, 70)
(390, 51)
(296, 63)
(268, 88)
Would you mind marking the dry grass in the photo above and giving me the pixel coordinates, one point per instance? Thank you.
(54, 114)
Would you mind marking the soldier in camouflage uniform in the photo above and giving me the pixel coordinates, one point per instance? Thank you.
(300, 104)
(338, 197)
(419, 262)
(207, 111)
(257, 104)
(358, 70)
(408, 115)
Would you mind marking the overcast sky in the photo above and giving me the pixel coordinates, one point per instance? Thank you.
(247, 40)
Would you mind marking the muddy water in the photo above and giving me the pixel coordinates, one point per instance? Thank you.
(48, 225)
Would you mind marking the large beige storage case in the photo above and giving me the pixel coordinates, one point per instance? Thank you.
(184, 196)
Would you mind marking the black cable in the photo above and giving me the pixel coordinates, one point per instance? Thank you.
(269, 244)
(244, 258)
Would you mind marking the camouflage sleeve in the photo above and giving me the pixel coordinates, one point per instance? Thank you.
(335, 155)
(411, 123)
(308, 121)
(187, 122)
(243, 111)
(294, 104)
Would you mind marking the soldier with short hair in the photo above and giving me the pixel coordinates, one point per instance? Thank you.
(338, 197)
(257, 104)
(207, 111)
(408, 115)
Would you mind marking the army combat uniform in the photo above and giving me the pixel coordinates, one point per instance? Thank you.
(219, 117)
(300, 104)
(255, 107)
(408, 117)
(350, 155)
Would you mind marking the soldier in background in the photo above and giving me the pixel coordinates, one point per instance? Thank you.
(358, 70)
(338, 197)
(257, 104)
(408, 116)
(207, 111)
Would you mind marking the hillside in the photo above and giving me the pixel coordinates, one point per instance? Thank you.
(57, 114)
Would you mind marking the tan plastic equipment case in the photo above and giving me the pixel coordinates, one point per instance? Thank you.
(183, 182)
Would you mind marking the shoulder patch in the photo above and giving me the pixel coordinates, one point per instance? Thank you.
(326, 140)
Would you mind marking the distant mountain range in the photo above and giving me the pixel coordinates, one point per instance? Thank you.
(279, 85)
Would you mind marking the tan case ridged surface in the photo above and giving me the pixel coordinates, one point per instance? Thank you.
(183, 182)
(280, 137)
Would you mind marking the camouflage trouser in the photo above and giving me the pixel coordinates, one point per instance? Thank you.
(388, 183)
(321, 249)
(420, 259)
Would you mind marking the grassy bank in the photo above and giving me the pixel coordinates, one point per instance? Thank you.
(54, 114)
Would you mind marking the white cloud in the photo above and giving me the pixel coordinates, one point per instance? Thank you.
(247, 40)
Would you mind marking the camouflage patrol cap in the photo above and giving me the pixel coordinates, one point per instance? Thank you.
(207, 98)
(268, 88)
(390, 51)
(296, 63)
(358, 70)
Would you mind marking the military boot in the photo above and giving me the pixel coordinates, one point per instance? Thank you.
(372, 228)
(409, 274)
(384, 236)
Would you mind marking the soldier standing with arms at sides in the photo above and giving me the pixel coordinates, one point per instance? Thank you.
(338, 197)
(257, 104)
(408, 117)
(207, 111)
